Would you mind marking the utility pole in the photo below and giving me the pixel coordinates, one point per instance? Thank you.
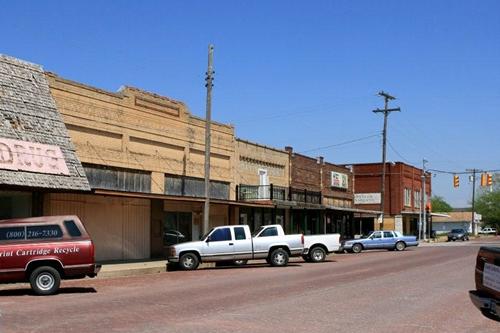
(209, 79)
(386, 112)
(424, 201)
(474, 171)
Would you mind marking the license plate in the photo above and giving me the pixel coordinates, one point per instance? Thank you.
(491, 276)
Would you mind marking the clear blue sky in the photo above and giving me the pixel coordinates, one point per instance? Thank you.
(299, 73)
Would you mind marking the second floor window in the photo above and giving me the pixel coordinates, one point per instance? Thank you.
(417, 199)
(407, 197)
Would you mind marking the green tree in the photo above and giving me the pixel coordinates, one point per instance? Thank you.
(488, 205)
(439, 205)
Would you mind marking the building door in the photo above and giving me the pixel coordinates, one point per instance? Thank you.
(264, 188)
(120, 227)
(177, 228)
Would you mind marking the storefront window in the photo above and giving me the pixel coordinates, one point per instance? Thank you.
(15, 205)
(177, 228)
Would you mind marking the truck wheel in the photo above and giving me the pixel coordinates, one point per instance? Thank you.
(240, 262)
(356, 248)
(317, 254)
(400, 246)
(279, 257)
(188, 262)
(45, 280)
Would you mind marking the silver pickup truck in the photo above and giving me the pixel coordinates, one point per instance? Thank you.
(235, 243)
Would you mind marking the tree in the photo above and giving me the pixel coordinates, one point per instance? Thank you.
(488, 205)
(439, 205)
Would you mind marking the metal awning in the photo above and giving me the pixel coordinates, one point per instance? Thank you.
(354, 210)
(181, 198)
(410, 213)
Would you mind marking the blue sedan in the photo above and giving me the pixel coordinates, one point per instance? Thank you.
(384, 239)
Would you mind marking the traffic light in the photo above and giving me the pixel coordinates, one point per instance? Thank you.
(489, 179)
(456, 181)
(484, 179)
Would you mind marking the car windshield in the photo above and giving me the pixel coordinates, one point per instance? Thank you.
(206, 235)
(457, 231)
(256, 232)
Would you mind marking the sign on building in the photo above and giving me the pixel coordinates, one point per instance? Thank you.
(340, 180)
(367, 198)
(31, 156)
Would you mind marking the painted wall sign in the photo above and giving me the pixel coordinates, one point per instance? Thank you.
(30, 156)
(340, 180)
(366, 198)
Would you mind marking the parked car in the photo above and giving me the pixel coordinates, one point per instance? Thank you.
(384, 239)
(317, 247)
(486, 297)
(44, 250)
(171, 237)
(488, 231)
(458, 234)
(237, 244)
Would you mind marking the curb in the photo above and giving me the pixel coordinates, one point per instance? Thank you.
(114, 270)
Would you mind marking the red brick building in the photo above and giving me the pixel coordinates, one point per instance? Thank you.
(403, 188)
(323, 193)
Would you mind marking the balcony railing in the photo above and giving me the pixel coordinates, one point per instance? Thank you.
(272, 192)
(305, 196)
(261, 192)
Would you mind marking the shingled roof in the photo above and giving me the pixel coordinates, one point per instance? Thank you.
(29, 114)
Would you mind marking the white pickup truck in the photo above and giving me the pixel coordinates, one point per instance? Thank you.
(317, 247)
(235, 243)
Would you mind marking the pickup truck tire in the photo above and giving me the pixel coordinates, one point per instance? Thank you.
(188, 261)
(45, 280)
(400, 246)
(357, 248)
(279, 257)
(317, 254)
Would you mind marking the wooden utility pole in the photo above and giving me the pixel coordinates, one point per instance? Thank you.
(209, 84)
(386, 112)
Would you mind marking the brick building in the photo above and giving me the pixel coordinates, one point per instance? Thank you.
(262, 178)
(36, 154)
(403, 188)
(143, 155)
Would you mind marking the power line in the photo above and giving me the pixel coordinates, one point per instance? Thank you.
(466, 172)
(397, 153)
(341, 143)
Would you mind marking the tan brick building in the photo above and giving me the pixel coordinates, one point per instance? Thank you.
(262, 177)
(144, 157)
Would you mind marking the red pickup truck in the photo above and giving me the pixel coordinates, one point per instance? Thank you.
(44, 250)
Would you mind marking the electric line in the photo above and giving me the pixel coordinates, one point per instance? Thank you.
(340, 143)
(397, 153)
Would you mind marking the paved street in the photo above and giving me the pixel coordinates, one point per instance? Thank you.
(422, 289)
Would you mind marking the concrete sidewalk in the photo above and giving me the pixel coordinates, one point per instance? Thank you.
(132, 268)
(118, 269)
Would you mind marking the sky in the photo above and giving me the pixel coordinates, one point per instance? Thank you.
(295, 73)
